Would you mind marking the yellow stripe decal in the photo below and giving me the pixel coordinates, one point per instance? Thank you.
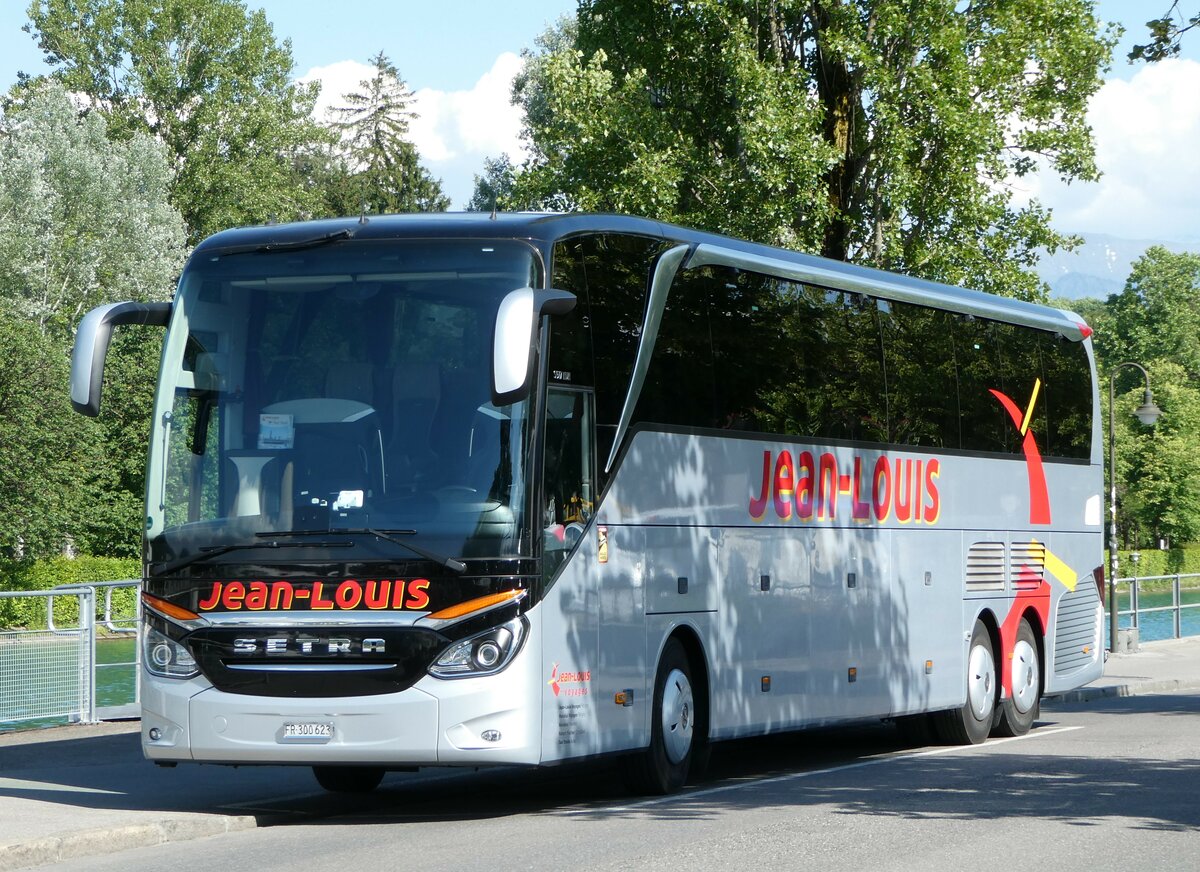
(1060, 570)
(1037, 387)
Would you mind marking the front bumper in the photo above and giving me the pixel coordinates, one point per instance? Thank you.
(472, 721)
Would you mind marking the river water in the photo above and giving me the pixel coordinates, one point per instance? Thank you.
(1158, 625)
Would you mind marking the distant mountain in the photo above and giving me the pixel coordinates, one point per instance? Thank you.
(1099, 267)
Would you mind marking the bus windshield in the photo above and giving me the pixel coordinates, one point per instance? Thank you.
(345, 386)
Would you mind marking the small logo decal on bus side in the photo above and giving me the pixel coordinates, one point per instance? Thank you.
(602, 543)
(579, 682)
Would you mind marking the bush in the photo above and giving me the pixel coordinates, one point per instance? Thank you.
(1183, 560)
(30, 613)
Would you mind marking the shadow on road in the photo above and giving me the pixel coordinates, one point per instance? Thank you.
(857, 770)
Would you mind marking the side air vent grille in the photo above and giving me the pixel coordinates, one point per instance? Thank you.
(1028, 565)
(1077, 630)
(985, 566)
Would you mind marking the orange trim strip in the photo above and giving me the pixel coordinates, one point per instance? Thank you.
(474, 605)
(168, 608)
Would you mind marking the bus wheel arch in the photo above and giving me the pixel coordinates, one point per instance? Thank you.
(678, 719)
(973, 721)
(701, 688)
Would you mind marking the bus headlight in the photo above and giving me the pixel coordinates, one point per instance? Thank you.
(482, 654)
(166, 657)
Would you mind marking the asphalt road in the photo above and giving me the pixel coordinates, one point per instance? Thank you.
(1111, 784)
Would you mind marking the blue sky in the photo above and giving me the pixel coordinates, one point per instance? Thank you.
(459, 55)
(446, 45)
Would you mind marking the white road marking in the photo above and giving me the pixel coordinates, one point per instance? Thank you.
(795, 776)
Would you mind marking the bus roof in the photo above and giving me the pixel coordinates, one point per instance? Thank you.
(707, 248)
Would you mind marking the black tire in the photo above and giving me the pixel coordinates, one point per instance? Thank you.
(674, 721)
(971, 724)
(348, 779)
(1019, 711)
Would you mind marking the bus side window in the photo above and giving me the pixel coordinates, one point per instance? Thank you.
(922, 377)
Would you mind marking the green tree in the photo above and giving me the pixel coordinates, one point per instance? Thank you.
(1157, 315)
(45, 448)
(376, 165)
(1155, 321)
(206, 78)
(495, 188)
(83, 221)
(885, 132)
(1166, 34)
(1158, 468)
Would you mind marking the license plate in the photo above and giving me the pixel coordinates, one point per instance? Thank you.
(307, 732)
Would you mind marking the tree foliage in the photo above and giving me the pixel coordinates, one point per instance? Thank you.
(495, 188)
(45, 449)
(1166, 35)
(1157, 315)
(887, 132)
(1159, 467)
(81, 218)
(83, 221)
(376, 165)
(1155, 321)
(204, 77)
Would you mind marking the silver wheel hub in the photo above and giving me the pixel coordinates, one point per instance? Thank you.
(981, 677)
(1024, 676)
(678, 716)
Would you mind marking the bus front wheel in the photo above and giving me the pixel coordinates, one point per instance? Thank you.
(970, 724)
(663, 767)
(348, 779)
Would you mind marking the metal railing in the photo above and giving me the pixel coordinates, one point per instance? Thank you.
(1184, 617)
(57, 672)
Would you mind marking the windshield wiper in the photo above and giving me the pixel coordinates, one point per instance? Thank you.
(218, 550)
(454, 565)
(295, 245)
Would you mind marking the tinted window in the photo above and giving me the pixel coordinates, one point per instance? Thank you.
(610, 274)
(747, 352)
(922, 376)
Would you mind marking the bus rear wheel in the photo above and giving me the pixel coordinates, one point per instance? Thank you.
(663, 767)
(348, 779)
(971, 724)
(1020, 709)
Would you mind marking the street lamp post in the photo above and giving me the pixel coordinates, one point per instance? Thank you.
(1148, 414)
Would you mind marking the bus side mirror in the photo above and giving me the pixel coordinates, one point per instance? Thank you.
(514, 338)
(91, 347)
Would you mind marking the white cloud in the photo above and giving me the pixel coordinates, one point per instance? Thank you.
(454, 130)
(481, 122)
(336, 80)
(1146, 132)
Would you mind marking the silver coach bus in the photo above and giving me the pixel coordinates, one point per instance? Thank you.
(468, 490)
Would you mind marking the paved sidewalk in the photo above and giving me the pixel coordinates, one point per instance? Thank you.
(1157, 667)
(80, 791)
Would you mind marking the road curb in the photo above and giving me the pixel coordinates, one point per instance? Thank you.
(110, 840)
(1142, 688)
